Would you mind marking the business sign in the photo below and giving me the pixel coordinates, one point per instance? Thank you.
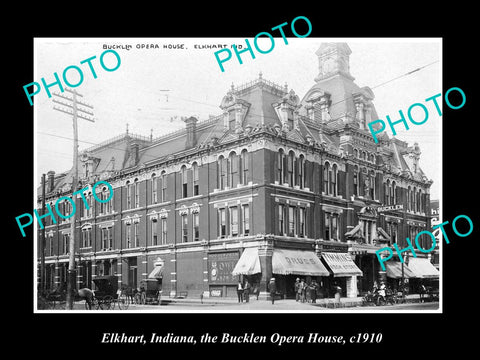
(388, 208)
(220, 267)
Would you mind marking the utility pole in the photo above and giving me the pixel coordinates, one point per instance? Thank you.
(73, 109)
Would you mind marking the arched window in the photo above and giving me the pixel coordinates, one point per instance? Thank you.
(409, 198)
(355, 153)
(333, 180)
(301, 172)
(414, 199)
(355, 180)
(290, 168)
(183, 172)
(245, 167)
(326, 170)
(164, 186)
(364, 155)
(387, 193)
(154, 189)
(372, 184)
(394, 193)
(222, 172)
(280, 166)
(196, 185)
(233, 177)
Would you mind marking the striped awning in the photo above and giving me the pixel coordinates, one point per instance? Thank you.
(394, 270)
(156, 273)
(341, 264)
(298, 262)
(248, 264)
(423, 268)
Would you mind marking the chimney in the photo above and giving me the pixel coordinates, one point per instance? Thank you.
(50, 181)
(191, 126)
(134, 154)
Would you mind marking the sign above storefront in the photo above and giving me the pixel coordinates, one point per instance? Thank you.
(388, 208)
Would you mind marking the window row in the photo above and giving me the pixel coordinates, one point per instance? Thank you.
(234, 221)
(363, 155)
(292, 220)
(233, 170)
(290, 169)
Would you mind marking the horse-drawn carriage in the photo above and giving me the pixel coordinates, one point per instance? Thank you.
(107, 294)
(150, 291)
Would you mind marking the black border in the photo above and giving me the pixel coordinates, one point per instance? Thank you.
(407, 334)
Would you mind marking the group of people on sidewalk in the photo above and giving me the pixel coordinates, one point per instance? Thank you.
(244, 290)
(306, 292)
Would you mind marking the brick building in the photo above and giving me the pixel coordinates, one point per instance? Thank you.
(276, 185)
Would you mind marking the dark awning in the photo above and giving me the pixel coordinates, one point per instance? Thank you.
(341, 264)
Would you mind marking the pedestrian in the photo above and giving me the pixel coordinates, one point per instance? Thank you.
(240, 291)
(87, 294)
(298, 290)
(272, 287)
(313, 291)
(246, 291)
(423, 291)
(303, 286)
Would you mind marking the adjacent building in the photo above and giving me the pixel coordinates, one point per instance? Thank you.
(276, 185)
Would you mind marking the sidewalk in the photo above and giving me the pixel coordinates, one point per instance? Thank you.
(326, 303)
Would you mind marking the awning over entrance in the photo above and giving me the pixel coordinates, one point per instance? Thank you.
(341, 264)
(298, 262)
(394, 270)
(423, 268)
(248, 264)
(157, 273)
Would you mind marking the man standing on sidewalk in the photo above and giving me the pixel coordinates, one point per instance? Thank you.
(272, 287)
(246, 291)
(240, 291)
(298, 290)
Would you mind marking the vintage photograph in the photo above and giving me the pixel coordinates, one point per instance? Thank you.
(164, 184)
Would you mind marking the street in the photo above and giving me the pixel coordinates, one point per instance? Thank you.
(263, 305)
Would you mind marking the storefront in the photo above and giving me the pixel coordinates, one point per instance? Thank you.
(425, 274)
(396, 271)
(344, 273)
(222, 282)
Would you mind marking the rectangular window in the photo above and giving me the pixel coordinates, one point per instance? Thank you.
(196, 227)
(164, 187)
(184, 228)
(355, 182)
(66, 243)
(280, 168)
(325, 178)
(154, 190)
(281, 219)
(135, 235)
(301, 222)
(195, 181)
(246, 219)
(87, 238)
(292, 212)
(154, 232)
(50, 242)
(164, 230)
(222, 223)
(104, 238)
(334, 231)
(234, 221)
(128, 236)
(327, 226)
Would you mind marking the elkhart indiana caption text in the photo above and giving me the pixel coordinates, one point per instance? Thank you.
(245, 338)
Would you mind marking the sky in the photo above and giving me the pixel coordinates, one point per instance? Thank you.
(153, 87)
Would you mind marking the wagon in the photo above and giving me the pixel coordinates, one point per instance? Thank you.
(150, 291)
(107, 294)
